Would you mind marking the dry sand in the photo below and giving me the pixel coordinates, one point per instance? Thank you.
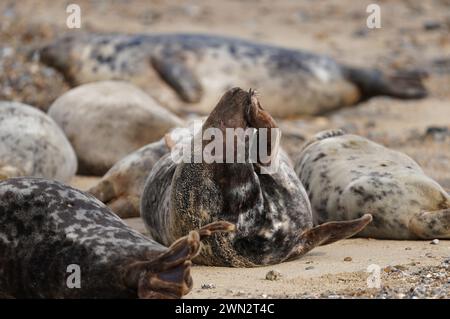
(414, 35)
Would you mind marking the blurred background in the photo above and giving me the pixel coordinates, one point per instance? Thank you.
(414, 35)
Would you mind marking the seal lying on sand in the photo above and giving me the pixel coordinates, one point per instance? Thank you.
(347, 176)
(188, 71)
(46, 226)
(121, 187)
(271, 211)
(32, 144)
(107, 120)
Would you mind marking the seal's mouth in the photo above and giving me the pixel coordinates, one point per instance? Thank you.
(255, 114)
(267, 130)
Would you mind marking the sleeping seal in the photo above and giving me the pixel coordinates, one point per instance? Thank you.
(46, 226)
(271, 211)
(107, 120)
(32, 144)
(347, 176)
(186, 72)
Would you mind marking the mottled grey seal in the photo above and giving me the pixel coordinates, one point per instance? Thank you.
(107, 120)
(46, 226)
(348, 175)
(271, 212)
(189, 71)
(121, 187)
(32, 144)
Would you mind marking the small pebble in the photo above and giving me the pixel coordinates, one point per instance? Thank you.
(435, 242)
(208, 286)
(309, 268)
(273, 275)
(348, 259)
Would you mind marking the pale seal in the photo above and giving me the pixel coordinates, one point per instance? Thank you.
(107, 120)
(347, 176)
(189, 71)
(122, 186)
(46, 226)
(271, 211)
(32, 144)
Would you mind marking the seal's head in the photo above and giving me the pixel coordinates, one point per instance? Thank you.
(239, 109)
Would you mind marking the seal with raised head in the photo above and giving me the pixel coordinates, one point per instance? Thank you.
(45, 227)
(348, 175)
(186, 72)
(271, 211)
(32, 144)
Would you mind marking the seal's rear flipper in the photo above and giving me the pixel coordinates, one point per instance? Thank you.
(168, 276)
(402, 85)
(431, 225)
(328, 233)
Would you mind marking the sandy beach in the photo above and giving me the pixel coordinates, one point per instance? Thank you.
(414, 35)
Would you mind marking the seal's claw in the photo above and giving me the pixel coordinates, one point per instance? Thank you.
(219, 226)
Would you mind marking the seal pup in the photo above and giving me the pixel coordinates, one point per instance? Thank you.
(46, 226)
(32, 144)
(271, 212)
(348, 175)
(186, 72)
(107, 120)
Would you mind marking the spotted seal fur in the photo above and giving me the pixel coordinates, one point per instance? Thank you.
(46, 226)
(32, 144)
(186, 72)
(271, 211)
(348, 175)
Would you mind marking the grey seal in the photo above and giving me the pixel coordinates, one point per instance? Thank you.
(46, 226)
(271, 211)
(187, 72)
(107, 120)
(32, 144)
(347, 176)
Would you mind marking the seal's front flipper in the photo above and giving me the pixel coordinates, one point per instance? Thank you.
(219, 226)
(431, 225)
(179, 77)
(402, 85)
(328, 233)
(125, 206)
(103, 191)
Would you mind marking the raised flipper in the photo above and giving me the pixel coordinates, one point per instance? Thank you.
(431, 225)
(328, 233)
(8, 171)
(168, 276)
(179, 77)
(402, 85)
